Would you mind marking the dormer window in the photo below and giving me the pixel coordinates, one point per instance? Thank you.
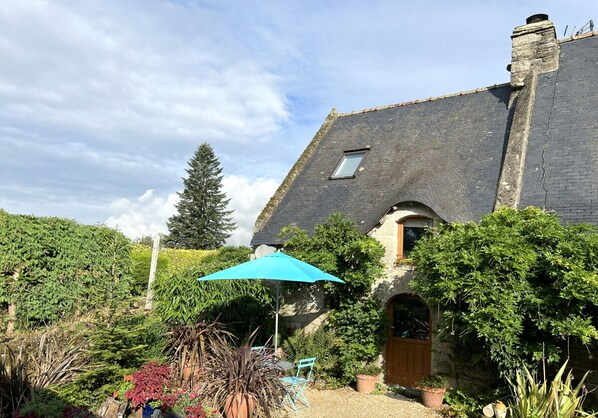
(411, 230)
(348, 165)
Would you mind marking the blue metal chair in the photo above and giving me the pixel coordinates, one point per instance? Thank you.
(295, 385)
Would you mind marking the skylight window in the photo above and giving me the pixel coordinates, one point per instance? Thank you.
(349, 165)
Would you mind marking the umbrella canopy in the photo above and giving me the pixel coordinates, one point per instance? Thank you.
(276, 266)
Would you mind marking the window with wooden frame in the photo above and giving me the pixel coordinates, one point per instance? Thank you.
(410, 230)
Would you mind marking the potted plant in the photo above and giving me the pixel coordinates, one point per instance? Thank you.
(239, 379)
(149, 389)
(433, 388)
(367, 377)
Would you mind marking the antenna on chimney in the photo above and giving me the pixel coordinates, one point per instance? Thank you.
(588, 27)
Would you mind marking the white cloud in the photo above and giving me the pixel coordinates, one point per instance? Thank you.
(144, 215)
(148, 213)
(247, 198)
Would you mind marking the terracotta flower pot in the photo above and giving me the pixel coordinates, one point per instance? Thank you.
(365, 383)
(239, 406)
(433, 397)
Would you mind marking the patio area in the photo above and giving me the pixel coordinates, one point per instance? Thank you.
(348, 403)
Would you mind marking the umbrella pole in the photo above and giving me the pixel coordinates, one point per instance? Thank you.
(276, 317)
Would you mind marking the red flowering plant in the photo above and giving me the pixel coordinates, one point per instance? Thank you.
(150, 386)
(190, 405)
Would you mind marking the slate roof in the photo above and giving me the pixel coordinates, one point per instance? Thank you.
(444, 153)
(561, 166)
(447, 152)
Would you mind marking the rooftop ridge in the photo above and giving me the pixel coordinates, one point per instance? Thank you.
(429, 99)
(575, 37)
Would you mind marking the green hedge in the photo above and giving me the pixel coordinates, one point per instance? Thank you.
(52, 268)
(170, 261)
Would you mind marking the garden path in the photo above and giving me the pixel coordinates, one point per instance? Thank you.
(347, 403)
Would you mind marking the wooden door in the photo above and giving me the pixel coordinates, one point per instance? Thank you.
(409, 346)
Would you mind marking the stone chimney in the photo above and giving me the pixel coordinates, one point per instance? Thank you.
(535, 50)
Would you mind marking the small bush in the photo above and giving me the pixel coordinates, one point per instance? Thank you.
(434, 381)
(322, 344)
(369, 369)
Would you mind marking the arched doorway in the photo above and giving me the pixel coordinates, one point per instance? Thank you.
(409, 345)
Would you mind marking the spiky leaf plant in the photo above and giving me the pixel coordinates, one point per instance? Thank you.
(15, 388)
(535, 399)
(235, 373)
(190, 344)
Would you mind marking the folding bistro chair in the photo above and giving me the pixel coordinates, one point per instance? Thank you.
(295, 385)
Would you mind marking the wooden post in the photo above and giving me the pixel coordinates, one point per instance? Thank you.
(149, 299)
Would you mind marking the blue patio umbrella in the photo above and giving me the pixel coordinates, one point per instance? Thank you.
(276, 266)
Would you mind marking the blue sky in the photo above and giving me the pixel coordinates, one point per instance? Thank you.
(102, 103)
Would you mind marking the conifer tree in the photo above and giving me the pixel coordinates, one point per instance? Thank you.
(202, 221)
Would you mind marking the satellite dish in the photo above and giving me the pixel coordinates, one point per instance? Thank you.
(263, 250)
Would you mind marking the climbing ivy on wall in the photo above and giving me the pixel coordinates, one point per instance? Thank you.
(513, 288)
(357, 318)
(52, 268)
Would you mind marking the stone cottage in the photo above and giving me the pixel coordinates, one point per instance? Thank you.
(396, 169)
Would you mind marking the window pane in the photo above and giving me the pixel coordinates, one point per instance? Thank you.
(349, 165)
(410, 235)
(410, 319)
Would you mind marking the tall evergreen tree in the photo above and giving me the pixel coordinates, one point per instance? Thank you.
(202, 221)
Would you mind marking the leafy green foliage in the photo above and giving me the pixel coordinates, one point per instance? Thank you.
(512, 287)
(324, 345)
(434, 381)
(181, 299)
(462, 404)
(362, 327)
(338, 248)
(202, 221)
(120, 344)
(53, 268)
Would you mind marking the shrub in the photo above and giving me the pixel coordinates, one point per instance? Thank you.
(339, 248)
(323, 344)
(52, 269)
(120, 343)
(150, 386)
(362, 328)
(513, 286)
(369, 369)
(181, 299)
(434, 381)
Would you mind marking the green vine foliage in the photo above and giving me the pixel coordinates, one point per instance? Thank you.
(52, 268)
(182, 299)
(513, 288)
(357, 318)
(339, 248)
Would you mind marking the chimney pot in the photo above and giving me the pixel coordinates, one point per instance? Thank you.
(536, 18)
